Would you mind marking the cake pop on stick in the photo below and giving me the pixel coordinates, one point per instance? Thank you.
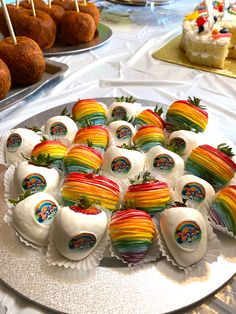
(5, 82)
(8, 21)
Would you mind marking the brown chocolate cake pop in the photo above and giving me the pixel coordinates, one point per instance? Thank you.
(25, 60)
(27, 5)
(56, 12)
(77, 27)
(41, 28)
(63, 3)
(89, 8)
(13, 13)
(5, 81)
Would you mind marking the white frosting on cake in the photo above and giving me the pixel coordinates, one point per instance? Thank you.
(123, 110)
(33, 216)
(189, 244)
(35, 178)
(61, 128)
(87, 228)
(120, 132)
(190, 138)
(123, 163)
(20, 142)
(194, 189)
(162, 161)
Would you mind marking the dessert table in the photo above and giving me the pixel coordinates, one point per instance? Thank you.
(123, 66)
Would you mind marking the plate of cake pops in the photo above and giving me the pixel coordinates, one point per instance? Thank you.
(59, 27)
(113, 196)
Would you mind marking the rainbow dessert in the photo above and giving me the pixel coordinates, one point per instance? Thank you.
(122, 162)
(185, 233)
(120, 132)
(77, 231)
(61, 128)
(147, 194)
(19, 145)
(89, 112)
(95, 187)
(82, 159)
(148, 136)
(94, 136)
(33, 216)
(186, 115)
(132, 232)
(164, 163)
(123, 108)
(150, 117)
(193, 189)
(211, 164)
(53, 151)
(182, 142)
(223, 209)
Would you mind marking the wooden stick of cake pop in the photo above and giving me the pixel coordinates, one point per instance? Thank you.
(17, 4)
(85, 2)
(8, 21)
(209, 6)
(226, 6)
(76, 5)
(33, 7)
(49, 4)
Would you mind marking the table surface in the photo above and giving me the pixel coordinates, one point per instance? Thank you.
(123, 67)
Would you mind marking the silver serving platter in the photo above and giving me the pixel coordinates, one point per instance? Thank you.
(103, 35)
(54, 70)
(153, 288)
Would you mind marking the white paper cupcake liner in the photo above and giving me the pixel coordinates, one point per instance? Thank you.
(220, 228)
(55, 258)
(3, 141)
(152, 254)
(9, 220)
(211, 255)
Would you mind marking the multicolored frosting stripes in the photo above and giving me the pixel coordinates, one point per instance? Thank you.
(223, 209)
(132, 232)
(211, 165)
(183, 113)
(82, 159)
(148, 136)
(97, 135)
(149, 117)
(54, 148)
(150, 197)
(94, 187)
(89, 112)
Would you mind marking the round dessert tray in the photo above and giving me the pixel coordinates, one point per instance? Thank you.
(103, 35)
(141, 2)
(155, 287)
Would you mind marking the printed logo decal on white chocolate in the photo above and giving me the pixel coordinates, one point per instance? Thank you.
(83, 241)
(124, 132)
(58, 129)
(194, 191)
(188, 235)
(118, 113)
(45, 212)
(164, 162)
(34, 182)
(120, 165)
(14, 141)
(178, 145)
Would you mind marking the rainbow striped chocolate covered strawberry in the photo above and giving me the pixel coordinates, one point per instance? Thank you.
(150, 117)
(88, 112)
(186, 115)
(148, 194)
(94, 187)
(212, 164)
(132, 232)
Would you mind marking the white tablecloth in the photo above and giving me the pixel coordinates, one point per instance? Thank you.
(123, 66)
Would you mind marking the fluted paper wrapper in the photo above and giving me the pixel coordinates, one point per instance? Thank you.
(3, 141)
(9, 220)
(76, 268)
(221, 228)
(211, 255)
